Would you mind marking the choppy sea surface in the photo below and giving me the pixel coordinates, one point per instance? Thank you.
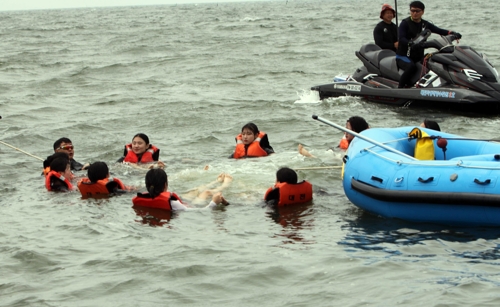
(190, 76)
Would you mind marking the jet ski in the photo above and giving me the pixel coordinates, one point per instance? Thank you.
(453, 77)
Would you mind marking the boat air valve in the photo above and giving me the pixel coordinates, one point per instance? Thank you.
(442, 143)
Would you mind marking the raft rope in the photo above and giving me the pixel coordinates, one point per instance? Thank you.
(448, 163)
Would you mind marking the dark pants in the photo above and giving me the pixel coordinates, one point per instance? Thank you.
(410, 68)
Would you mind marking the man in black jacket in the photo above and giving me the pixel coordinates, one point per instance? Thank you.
(385, 33)
(409, 53)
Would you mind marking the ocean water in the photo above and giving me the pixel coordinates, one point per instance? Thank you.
(190, 76)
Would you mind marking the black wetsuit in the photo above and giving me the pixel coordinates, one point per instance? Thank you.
(408, 29)
(75, 166)
(385, 35)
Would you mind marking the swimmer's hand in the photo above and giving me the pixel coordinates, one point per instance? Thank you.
(219, 199)
(160, 164)
(85, 166)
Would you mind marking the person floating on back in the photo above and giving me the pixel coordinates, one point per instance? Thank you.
(98, 184)
(251, 143)
(158, 196)
(58, 179)
(286, 190)
(141, 151)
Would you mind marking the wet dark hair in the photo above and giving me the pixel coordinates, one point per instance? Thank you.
(143, 137)
(48, 161)
(97, 171)
(155, 181)
(287, 175)
(60, 141)
(431, 125)
(252, 127)
(418, 5)
(358, 124)
(59, 164)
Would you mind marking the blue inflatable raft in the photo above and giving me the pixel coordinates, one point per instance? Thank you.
(459, 187)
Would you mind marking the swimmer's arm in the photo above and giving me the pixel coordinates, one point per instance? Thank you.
(217, 199)
(177, 205)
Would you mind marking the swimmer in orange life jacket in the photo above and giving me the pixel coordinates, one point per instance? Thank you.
(356, 124)
(98, 183)
(48, 161)
(140, 151)
(158, 196)
(58, 179)
(286, 190)
(251, 143)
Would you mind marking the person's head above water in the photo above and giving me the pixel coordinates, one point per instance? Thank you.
(356, 124)
(249, 133)
(140, 143)
(287, 175)
(430, 124)
(62, 166)
(98, 171)
(64, 145)
(156, 182)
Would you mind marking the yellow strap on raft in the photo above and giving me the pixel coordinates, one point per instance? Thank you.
(424, 146)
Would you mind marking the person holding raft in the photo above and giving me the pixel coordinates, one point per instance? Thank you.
(251, 143)
(141, 151)
(356, 124)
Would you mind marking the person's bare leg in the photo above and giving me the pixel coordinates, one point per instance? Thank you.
(228, 179)
(304, 152)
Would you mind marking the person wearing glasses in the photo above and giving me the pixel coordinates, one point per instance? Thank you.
(385, 33)
(65, 145)
(408, 53)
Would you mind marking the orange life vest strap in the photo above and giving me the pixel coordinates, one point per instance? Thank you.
(147, 156)
(58, 176)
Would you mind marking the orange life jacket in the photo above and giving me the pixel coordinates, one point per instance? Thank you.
(46, 171)
(161, 201)
(290, 194)
(58, 176)
(344, 143)
(100, 188)
(146, 156)
(252, 150)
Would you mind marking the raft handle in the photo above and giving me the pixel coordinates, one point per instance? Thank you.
(377, 179)
(420, 179)
(487, 181)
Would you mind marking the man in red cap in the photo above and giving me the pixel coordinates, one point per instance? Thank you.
(386, 32)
